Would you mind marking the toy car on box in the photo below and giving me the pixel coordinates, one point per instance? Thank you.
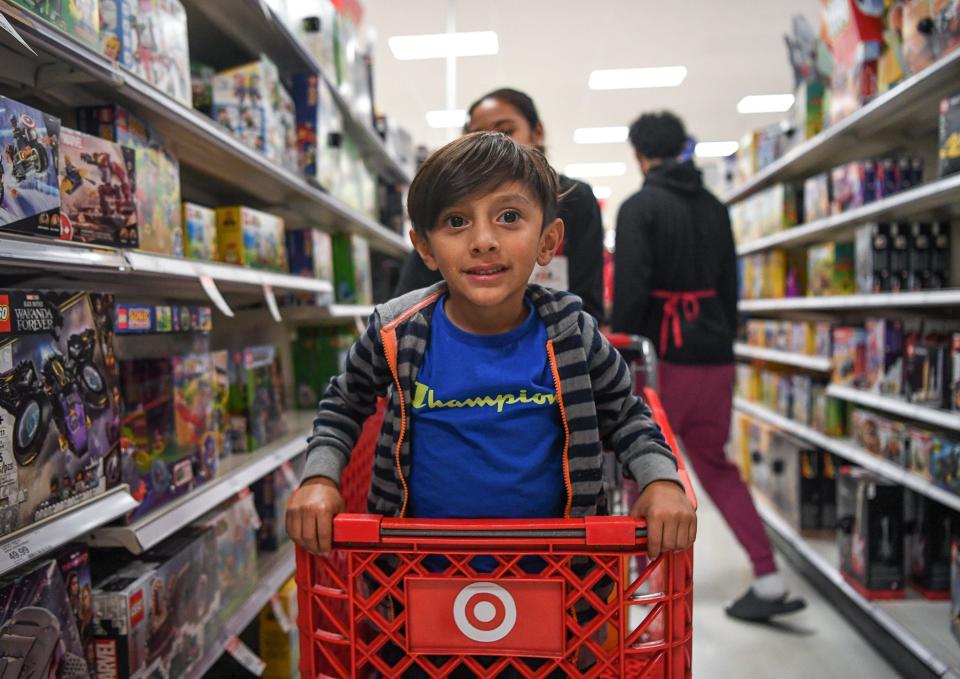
(149, 37)
(97, 191)
(59, 403)
(251, 238)
(78, 18)
(29, 188)
(199, 232)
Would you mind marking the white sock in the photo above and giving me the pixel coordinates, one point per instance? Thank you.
(770, 586)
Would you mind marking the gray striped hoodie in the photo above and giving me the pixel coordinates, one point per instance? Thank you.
(593, 384)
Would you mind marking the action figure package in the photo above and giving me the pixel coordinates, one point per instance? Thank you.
(236, 547)
(884, 369)
(59, 403)
(893, 441)
(121, 618)
(29, 187)
(158, 175)
(74, 562)
(829, 469)
(79, 18)
(199, 232)
(256, 394)
(929, 256)
(97, 191)
(898, 248)
(871, 532)
(925, 369)
(251, 238)
(930, 528)
(149, 37)
(38, 625)
(849, 355)
(865, 427)
(921, 445)
(319, 130)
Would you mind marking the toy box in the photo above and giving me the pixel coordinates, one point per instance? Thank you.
(870, 535)
(97, 191)
(139, 319)
(829, 469)
(271, 494)
(59, 403)
(830, 269)
(854, 31)
(925, 366)
(919, 38)
(201, 85)
(878, 275)
(939, 274)
(865, 427)
(199, 232)
(851, 187)
(929, 531)
(953, 392)
(319, 130)
(893, 441)
(319, 353)
(898, 247)
(256, 394)
(121, 614)
(73, 560)
(236, 548)
(221, 401)
(849, 355)
(310, 253)
(149, 38)
(351, 266)
(36, 616)
(251, 238)
(864, 265)
(79, 18)
(280, 643)
(797, 487)
(944, 461)
(946, 20)
(919, 258)
(920, 446)
(884, 356)
(816, 197)
(29, 187)
(158, 175)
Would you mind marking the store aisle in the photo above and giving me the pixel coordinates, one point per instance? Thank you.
(817, 640)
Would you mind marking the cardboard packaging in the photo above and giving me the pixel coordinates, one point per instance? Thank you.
(256, 394)
(930, 529)
(122, 621)
(251, 238)
(77, 18)
(199, 232)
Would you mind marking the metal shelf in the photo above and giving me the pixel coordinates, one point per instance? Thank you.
(848, 451)
(821, 364)
(899, 645)
(198, 142)
(274, 571)
(935, 194)
(237, 472)
(882, 300)
(897, 406)
(35, 540)
(873, 129)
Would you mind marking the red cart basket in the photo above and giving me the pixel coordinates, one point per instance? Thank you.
(493, 598)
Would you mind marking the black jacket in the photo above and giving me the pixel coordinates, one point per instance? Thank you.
(674, 236)
(582, 244)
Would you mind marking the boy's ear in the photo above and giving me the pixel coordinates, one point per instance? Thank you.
(422, 246)
(550, 241)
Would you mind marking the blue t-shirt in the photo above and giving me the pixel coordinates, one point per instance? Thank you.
(487, 437)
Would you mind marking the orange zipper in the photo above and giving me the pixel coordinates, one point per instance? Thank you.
(566, 428)
(390, 350)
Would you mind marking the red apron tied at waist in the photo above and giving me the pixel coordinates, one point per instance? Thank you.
(673, 302)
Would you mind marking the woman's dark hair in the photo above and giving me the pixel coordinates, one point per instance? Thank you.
(519, 100)
(658, 135)
(474, 163)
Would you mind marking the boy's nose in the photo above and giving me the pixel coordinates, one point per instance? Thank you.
(484, 239)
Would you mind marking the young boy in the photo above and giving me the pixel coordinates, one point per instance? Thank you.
(503, 391)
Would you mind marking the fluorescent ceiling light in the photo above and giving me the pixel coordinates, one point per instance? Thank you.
(595, 169)
(601, 192)
(440, 45)
(765, 103)
(600, 135)
(716, 149)
(447, 119)
(633, 78)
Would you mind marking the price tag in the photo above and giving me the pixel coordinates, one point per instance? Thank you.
(280, 613)
(213, 293)
(246, 499)
(19, 551)
(288, 475)
(8, 27)
(243, 655)
(271, 302)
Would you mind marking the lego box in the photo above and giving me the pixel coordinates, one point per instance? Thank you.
(73, 561)
(29, 188)
(97, 191)
(199, 232)
(59, 403)
(236, 545)
(122, 621)
(256, 394)
(351, 267)
(251, 238)
(319, 127)
(78, 18)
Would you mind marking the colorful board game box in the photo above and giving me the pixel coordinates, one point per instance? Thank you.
(29, 186)
(59, 403)
(97, 191)
(79, 18)
(251, 238)
(199, 232)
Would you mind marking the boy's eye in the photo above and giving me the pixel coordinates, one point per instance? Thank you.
(456, 221)
(511, 216)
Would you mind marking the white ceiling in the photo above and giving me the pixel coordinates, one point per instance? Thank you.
(731, 48)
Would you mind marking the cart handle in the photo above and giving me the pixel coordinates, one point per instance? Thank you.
(592, 531)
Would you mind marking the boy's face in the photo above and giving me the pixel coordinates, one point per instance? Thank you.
(486, 247)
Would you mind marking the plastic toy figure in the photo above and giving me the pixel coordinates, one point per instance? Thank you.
(73, 180)
(26, 154)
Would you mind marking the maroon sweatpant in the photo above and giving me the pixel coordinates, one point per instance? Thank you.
(698, 401)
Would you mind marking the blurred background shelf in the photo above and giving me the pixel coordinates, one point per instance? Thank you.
(821, 364)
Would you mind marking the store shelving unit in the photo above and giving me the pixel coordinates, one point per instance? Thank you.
(884, 300)
(873, 129)
(237, 472)
(929, 196)
(198, 142)
(42, 537)
(820, 364)
(274, 570)
(897, 406)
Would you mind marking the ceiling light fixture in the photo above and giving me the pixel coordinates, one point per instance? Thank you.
(716, 149)
(447, 119)
(634, 78)
(765, 103)
(595, 169)
(600, 135)
(442, 45)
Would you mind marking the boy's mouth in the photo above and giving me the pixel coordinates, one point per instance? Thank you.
(486, 271)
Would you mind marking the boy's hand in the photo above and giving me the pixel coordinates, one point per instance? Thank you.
(671, 519)
(310, 514)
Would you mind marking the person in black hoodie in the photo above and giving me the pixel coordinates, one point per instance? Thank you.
(675, 273)
(580, 260)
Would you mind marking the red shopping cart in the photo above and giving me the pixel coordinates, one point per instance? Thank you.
(493, 598)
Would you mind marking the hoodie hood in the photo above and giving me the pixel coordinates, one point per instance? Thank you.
(678, 176)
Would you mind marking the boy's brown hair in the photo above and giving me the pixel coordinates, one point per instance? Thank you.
(472, 164)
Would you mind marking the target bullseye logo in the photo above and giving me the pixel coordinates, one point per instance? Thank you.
(485, 612)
